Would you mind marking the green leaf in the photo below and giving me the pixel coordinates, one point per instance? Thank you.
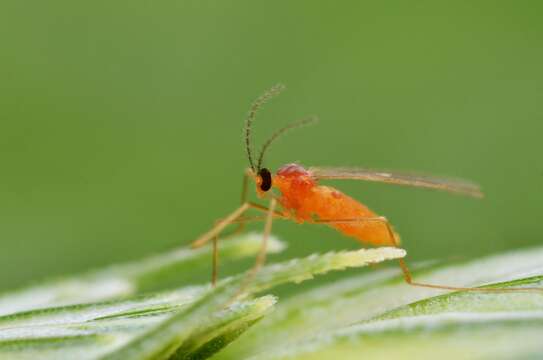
(373, 315)
(92, 331)
(190, 322)
(378, 316)
(143, 275)
(173, 334)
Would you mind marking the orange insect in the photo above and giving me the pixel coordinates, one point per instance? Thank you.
(303, 199)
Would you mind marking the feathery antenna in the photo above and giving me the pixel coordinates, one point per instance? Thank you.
(273, 91)
(296, 124)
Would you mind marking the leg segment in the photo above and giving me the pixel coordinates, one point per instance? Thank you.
(407, 273)
(244, 188)
(221, 224)
(215, 270)
(236, 217)
(213, 234)
(261, 257)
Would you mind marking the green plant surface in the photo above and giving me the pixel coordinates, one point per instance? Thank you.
(130, 278)
(302, 324)
(443, 337)
(189, 322)
(372, 315)
(70, 336)
(173, 334)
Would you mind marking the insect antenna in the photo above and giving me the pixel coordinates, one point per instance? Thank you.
(296, 124)
(273, 91)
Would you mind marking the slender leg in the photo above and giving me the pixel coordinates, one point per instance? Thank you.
(214, 234)
(244, 188)
(407, 273)
(215, 270)
(240, 220)
(221, 224)
(234, 217)
(248, 219)
(264, 209)
(261, 257)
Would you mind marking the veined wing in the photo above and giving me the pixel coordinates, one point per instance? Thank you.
(458, 186)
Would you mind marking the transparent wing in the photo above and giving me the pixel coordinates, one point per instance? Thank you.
(458, 186)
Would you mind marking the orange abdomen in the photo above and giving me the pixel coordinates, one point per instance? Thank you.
(307, 201)
(331, 204)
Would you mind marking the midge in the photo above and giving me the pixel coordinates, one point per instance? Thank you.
(302, 199)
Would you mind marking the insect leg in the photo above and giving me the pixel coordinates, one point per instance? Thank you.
(244, 189)
(407, 273)
(219, 226)
(215, 267)
(261, 257)
(213, 234)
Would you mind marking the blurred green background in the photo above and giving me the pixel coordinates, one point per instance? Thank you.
(121, 122)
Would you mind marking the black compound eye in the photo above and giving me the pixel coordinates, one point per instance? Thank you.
(266, 177)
